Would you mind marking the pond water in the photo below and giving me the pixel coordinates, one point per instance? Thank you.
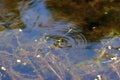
(36, 46)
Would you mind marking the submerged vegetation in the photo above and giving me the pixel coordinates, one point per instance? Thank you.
(37, 59)
(97, 18)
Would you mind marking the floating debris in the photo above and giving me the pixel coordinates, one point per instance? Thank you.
(18, 61)
(38, 56)
(119, 49)
(99, 77)
(47, 38)
(93, 27)
(20, 30)
(105, 12)
(36, 40)
(24, 63)
(109, 47)
(3, 68)
(113, 58)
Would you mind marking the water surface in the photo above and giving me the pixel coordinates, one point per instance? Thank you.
(36, 46)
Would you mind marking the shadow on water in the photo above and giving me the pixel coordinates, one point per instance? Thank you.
(36, 46)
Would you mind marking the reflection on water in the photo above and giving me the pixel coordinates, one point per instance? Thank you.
(9, 16)
(34, 46)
